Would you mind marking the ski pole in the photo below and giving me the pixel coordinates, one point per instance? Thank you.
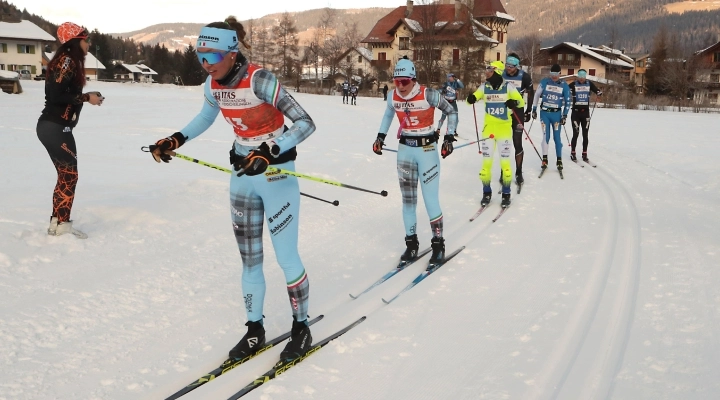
(477, 134)
(591, 114)
(323, 180)
(455, 148)
(219, 168)
(566, 135)
(526, 133)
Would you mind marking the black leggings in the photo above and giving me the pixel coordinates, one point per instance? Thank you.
(580, 121)
(60, 145)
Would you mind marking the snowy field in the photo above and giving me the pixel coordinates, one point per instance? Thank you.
(604, 285)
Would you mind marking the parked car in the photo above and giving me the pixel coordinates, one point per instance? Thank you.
(24, 74)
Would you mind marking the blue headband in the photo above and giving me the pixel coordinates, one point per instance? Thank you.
(512, 61)
(218, 39)
(582, 73)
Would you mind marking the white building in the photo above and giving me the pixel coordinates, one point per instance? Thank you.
(136, 73)
(21, 46)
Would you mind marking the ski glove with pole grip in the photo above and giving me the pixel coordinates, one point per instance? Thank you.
(563, 120)
(257, 161)
(447, 146)
(172, 142)
(379, 143)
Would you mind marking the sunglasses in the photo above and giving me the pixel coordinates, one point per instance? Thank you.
(554, 74)
(489, 68)
(211, 58)
(402, 82)
(510, 66)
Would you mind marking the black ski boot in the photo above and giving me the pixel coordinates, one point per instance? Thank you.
(505, 203)
(253, 341)
(559, 164)
(544, 162)
(438, 252)
(412, 244)
(584, 156)
(573, 157)
(300, 341)
(486, 199)
(519, 178)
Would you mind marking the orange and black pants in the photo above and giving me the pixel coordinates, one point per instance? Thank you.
(60, 145)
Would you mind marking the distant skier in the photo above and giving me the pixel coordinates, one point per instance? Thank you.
(417, 157)
(353, 94)
(524, 84)
(450, 91)
(345, 91)
(554, 97)
(580, 94)
(501, 97)
(385, 92)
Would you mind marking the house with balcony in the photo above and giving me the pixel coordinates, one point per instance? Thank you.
(641, 65)
(707, 76)
(458, 29)
(21, 46)
(133, 72)
(598, 62)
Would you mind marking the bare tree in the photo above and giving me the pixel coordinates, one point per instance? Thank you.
(528, 48)
(262, 45)
(427, 46)
(286, 45)
(350, 40)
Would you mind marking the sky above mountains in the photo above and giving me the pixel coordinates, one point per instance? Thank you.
(138, 14)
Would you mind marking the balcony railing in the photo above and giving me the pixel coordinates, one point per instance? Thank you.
(380, 64)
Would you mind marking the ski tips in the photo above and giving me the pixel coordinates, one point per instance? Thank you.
(352, 297)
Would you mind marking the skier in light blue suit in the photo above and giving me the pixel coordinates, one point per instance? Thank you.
(553, 96)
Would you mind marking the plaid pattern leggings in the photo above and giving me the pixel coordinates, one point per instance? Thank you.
(423, 164)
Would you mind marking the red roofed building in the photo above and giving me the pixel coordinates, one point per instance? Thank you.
(457, 35)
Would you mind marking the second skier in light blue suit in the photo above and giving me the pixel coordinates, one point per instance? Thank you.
(553, 97)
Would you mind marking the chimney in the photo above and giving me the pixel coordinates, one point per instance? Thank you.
(458, 5)
(409, 7)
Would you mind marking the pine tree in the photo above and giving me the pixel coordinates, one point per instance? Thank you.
(286, 45)
(193, 73)
(658, 58)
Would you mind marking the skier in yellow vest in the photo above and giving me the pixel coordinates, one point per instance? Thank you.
(501, 97)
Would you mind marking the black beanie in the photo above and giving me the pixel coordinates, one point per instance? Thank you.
(555, 68)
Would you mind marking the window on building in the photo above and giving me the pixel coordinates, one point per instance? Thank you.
(501, 36)
(571, 71)
(715, 78)
(498, 56)
(359, 59)
(716, 57)
(25, 49)
(3, 47)
(570, 57)
(591, 71)
(360, 72)
(456, 57)
(2, 67)
(382, 56)
(713, 97)
(560, 57)
(12, 67)
(347, 58)
(404, 43)
(640, 64)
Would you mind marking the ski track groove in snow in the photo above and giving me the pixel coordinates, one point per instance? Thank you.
(582, 368)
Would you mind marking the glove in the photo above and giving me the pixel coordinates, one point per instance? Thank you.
(471, 98)
(159, 149)
(599, 93)
(511, 103)
(563, 119)
(257, 161)
(534, 114)
(447, 146)
(379, 143)
(527, 116)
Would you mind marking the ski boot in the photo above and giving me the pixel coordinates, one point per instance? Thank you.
(544, 162)
(52, 229)
(438, 253)
(559, 164)
(486, 199)
(253, 341)
(573, 157)
(505, 203)
(66, 227)
(519, 178)
(300, 341)
(584, 156)
(412, 244)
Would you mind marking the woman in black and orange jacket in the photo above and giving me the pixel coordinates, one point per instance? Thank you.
(63, 102)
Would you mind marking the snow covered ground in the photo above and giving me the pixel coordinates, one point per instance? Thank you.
(604, 285)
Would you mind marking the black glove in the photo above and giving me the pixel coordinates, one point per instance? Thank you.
(471, 98)
(534, 114)
(159, 149)
(379, 143)
(511, 103)
(257, 161)
(563, 119)
(527, 116)
(447, 146)
(599, 93)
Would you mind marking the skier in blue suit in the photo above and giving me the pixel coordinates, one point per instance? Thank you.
(553, 96)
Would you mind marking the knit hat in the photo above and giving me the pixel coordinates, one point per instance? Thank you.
(555, 68)
(404, 67)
